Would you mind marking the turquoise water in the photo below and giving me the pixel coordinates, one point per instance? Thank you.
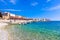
(36, 31)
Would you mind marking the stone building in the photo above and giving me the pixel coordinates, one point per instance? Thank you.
(6, 15)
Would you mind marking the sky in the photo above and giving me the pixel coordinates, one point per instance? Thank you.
(32, 8)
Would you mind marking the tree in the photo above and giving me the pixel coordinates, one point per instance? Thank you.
(1, 14)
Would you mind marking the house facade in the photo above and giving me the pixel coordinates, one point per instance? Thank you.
(6, 15)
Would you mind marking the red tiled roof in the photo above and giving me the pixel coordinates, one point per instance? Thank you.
(15, 17)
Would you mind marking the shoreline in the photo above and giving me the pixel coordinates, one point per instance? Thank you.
(16, 21)
(3, 32)
(2, 25)
(9, 35)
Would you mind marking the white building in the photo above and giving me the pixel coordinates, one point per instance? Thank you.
(12, 14)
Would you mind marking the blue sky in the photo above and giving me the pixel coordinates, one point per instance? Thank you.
(32, 8)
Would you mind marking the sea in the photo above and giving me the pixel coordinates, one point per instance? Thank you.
(49, 30)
